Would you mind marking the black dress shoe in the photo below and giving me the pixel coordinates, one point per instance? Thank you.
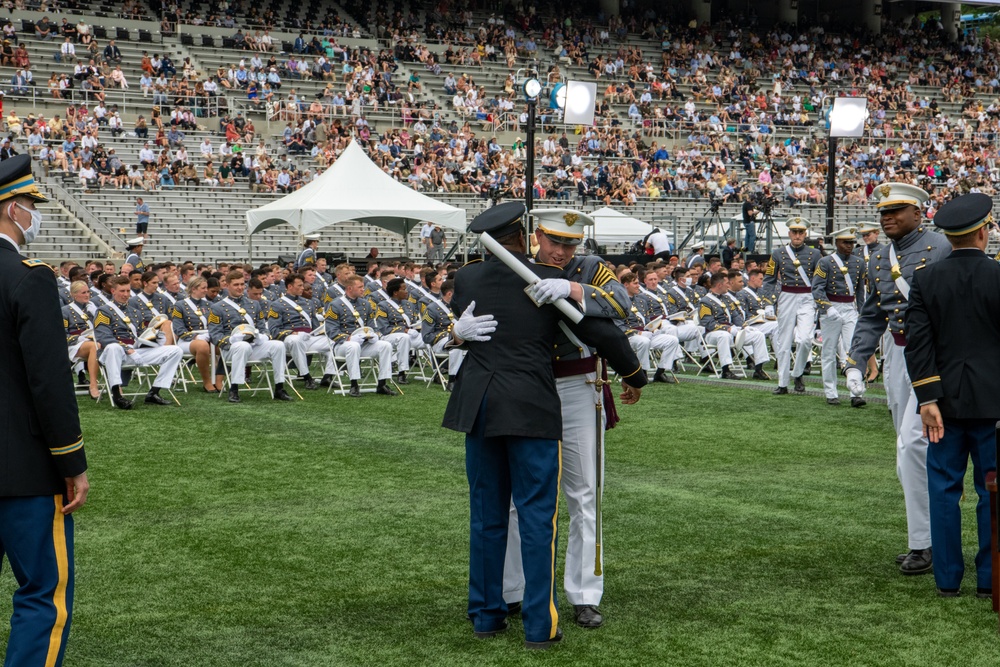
(587, 616)
(121, 402)
(548, 643)
(984, 593)
(326, 381)
(729, 375)
(513, 609)
(761, 375)
(450, 387)
(401, 379)
(311, 384)
(281, 395)
(663, 376)
(486, 634)
(948, 592)
(833, 401)
(780, 391)
(800, 386)
(857, 402)
(155, 399)
(355, 392)
(918, 561)
(384, 390)
(210, 391)
(808, 369)
(901, 557)
(234, 395)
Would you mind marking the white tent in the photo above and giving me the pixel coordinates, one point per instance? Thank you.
(355, 188)
(611, 226)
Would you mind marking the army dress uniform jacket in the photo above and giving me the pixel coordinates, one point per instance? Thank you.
(885, 304)
(135, 261)
(953, 304)
(865, 251)
(188, 316)
(41, 441)
(344, 316)
(830, 281)
(751, 301)
(111, 327)
(227, 314)
(737, 313)
(393, 317)
(437, 318)
(782, 272)
(713, 313)
(288, 315)
(515, 366)
(148, 306)
(77, 321)
(306, 258)
(680, 299)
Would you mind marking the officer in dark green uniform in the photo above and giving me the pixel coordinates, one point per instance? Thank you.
(43, 477)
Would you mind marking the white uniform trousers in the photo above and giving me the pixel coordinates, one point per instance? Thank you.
(723, 342)
(640, 345)
(667, 344)
(301, 343)
(242, 352)
(168, 358)
(579, 483)
(755, 339)
(352, 353)
(400, 342)
(836, 332)
(796, 321)
(911, 446)
(687, 333)
(455, 356)
(767, 327)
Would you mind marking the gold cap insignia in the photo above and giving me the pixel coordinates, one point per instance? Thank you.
(571, 218)
(885, 190)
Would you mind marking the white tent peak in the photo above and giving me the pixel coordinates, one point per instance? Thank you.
(355, 188)
(612, 226)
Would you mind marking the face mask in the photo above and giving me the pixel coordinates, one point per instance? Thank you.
(31, 233)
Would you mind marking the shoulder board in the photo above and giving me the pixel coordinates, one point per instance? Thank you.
(474, 261)
(32, 263)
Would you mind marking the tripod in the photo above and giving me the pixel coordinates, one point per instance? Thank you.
(766, 228)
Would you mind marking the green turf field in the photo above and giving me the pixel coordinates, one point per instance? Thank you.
(740, 529)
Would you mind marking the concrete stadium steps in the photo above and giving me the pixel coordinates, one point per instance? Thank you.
(62, 237)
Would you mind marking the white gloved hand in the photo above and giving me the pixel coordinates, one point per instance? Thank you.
(236, 338)
(769, 311)
(549, 290)
(834, 314)
(855, 382)
(471, 327)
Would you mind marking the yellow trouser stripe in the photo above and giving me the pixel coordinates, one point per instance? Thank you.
(553, 612)
(59, 597)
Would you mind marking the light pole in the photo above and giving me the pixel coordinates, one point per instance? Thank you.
(532, 88)
(846, 119)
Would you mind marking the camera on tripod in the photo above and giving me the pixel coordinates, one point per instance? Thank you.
(764, 202)
(715, 203)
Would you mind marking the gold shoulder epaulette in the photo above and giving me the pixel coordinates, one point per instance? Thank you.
(32, 263)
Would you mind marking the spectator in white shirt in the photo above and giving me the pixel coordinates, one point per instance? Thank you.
(146, 155)
(66, 52)
(206, 147)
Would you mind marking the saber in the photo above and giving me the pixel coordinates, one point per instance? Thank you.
(599, 383)
(526, 274)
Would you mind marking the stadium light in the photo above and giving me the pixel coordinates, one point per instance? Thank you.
(846, 118)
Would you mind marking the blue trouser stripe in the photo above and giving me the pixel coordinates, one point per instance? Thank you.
(946, 465)
(27, 539)
(527, 470)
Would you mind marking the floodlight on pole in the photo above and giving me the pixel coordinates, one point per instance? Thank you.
(846, 118)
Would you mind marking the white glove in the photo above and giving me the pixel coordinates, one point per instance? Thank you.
(769, 311)
(834, 314)
(263, 336)
(855, 382)
(549, 290)
(471, 327)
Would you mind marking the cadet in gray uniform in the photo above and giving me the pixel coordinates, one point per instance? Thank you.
(869, 241)
(239, 347)
(890, 269)
(346, 316)
(291, 320)
(586, 281)
(788, 279)
(116, 331)
(397, 325)
(635, 322)
(134, 254)
(437, 321)
(308, 255)
(750, 334)
(714, 316)
(150, 303)
(837, 288)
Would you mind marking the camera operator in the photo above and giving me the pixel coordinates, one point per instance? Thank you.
(749, 225)
(659, 243)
